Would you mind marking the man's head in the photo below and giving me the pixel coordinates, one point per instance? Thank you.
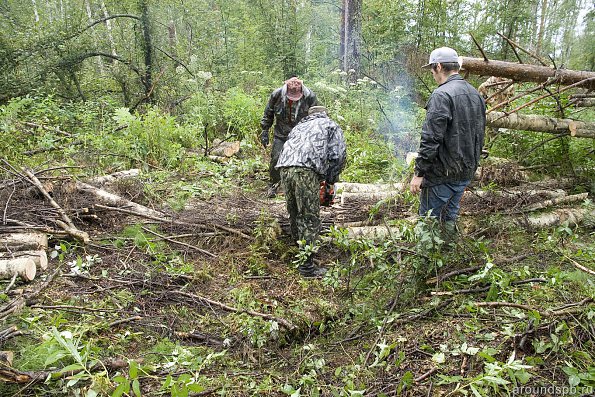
(444, 61)
(294, 89)
(317, 109)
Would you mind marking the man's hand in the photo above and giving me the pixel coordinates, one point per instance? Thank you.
(264, 138)
(415, 185)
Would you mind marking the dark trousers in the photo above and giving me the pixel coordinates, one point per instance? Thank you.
(276, 150)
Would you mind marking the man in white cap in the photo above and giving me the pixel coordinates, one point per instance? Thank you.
(287, 105)
(451, 141)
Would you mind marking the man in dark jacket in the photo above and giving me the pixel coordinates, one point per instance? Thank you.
(315, 151)
(287, 105)
(451, 140)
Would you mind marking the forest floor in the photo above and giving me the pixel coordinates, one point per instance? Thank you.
(208, 302)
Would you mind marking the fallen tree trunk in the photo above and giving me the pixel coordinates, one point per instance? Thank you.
(22, 267)
(39, 257)
(515, 121)
(524, 72)
(23, 242)
(572, 216)
(117, 201)
(372, 232)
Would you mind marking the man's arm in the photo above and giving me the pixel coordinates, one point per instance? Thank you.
(267, 119)
(337, 154)
(432, 136)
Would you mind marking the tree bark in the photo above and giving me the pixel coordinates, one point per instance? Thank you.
(523, 72)
(351, 38)
(39, 257)
(23, 242)
(515, 121)
(23, 267)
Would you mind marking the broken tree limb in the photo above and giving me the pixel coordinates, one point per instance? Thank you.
(23, 241)
(13, 375)
(515, 121)
(524, 72)
(24, 267)
(570, 309)
(67, 225)
(579, 266)
(180, 243)
(39, 257)
(288, 325)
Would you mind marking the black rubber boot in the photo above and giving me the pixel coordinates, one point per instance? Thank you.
(272, 191)
(309, 270)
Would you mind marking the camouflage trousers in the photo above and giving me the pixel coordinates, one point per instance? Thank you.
(302, 186)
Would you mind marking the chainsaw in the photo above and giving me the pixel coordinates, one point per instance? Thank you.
(327, 194)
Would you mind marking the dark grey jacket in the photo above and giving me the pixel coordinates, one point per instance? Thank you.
(452, 134)
(286, 117)
(317, 143)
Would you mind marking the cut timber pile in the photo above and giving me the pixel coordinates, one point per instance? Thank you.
(21, 254)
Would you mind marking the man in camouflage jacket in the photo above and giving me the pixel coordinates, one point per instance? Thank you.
(287, 105)
(315, 151)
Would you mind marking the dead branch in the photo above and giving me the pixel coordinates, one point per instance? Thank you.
(180, 243)
(484, 289)
(67, 225)
(288, 325)
(515, 45)
(12, 375)
(579, 266)
(572, 309)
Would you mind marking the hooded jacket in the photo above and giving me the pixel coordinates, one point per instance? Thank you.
(286, 115)
(317, 143)
(452, 134)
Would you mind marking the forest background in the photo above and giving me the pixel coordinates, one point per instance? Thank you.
(91, 87)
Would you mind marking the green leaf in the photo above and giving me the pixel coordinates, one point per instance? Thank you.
(133, 370)
(136, 388)
(121, 389)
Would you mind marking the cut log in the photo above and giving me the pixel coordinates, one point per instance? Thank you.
(6, 358)
(39, 257)
(347, 197)
(101, 180)
(367, 187)
(373, 232)
(515, 121)
(23, 242)
(225, 149)
(23, 267)
(524, 72)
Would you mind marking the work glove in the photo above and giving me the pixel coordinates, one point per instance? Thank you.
(264, 138)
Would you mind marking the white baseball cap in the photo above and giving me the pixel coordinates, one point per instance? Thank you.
(442, 55)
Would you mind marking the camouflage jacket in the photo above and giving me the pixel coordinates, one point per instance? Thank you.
(317, 143)
(285, 113)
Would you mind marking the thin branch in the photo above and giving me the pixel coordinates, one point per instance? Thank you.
(485, 58)
(513, 44)
(171, 240)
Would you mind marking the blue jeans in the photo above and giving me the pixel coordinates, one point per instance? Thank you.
(443, 200)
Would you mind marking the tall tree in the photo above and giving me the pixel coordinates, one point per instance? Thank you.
(351, 32)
